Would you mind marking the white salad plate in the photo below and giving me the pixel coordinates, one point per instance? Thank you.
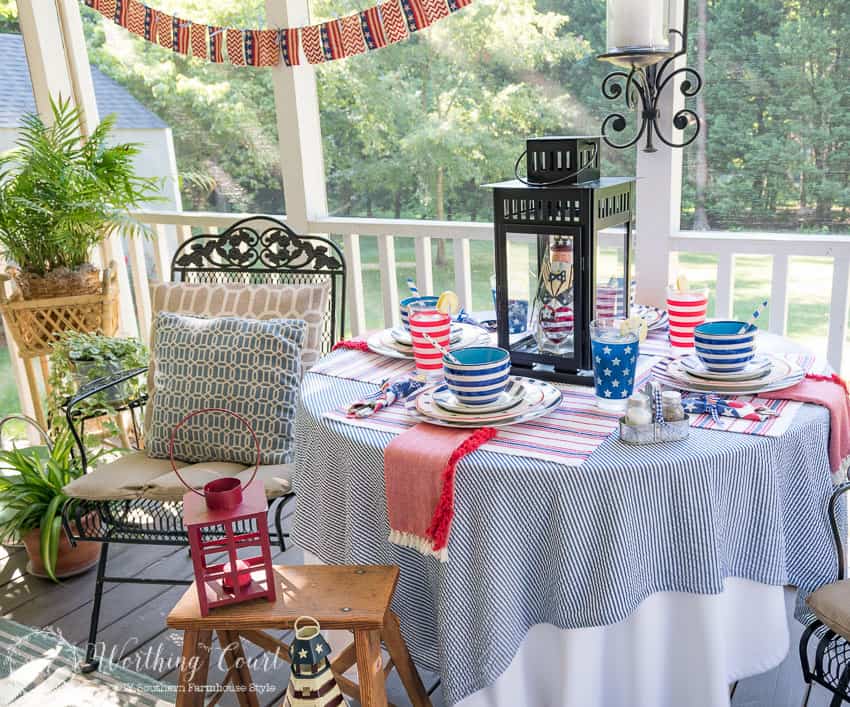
(783, 374)
(759, 367)
(513, 394)
(528, 399)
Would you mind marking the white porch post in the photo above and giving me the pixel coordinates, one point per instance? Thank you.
(299, 133)
(659, 196)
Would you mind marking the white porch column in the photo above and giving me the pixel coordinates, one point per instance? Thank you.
(299, 133)
(659, 197)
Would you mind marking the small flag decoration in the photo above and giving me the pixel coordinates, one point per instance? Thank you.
(289, 47)
(395, 26)
(136, 14)
(352, 35)
(180, 35)
(332, 40)
(198, 40)
(311, 38)
(216, 37)
(414, 14)
(374, 28)
(235, 46)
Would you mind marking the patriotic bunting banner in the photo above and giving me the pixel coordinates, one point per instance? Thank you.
(379, 26)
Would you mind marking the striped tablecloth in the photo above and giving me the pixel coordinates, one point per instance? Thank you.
(537, 541)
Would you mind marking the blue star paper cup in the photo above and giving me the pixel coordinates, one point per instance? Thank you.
(614, 345)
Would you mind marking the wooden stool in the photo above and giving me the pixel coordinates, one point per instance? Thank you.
(353, 598)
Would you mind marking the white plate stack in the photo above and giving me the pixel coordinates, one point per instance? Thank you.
(763, 374)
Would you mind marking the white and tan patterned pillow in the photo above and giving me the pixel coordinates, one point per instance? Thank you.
(307, 302)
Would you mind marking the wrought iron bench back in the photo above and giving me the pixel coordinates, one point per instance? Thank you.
(264, 251)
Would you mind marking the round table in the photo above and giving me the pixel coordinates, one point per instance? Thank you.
(637, 569)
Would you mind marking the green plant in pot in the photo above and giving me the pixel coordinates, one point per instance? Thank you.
(31, 486)
(77, 358)
(61, 195)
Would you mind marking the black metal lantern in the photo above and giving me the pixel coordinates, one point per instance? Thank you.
(555, 268)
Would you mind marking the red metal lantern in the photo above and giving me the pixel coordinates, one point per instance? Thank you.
(234, 518)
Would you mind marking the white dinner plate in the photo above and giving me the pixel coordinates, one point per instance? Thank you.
(382, 343)
(528, 399)
(759, 367)
(783, 374)
(513, 394)
(551, 400)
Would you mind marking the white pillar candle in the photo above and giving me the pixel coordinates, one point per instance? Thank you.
(637, 24)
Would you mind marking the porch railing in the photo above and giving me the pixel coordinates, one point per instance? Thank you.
(171, 227)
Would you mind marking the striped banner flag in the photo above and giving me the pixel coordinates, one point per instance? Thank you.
(332, 40)
(235, 46)
(136, 17)
(311, 38)
(216, 36)
(180, 35)
(198, 40)
(106, 8)
(164, 26)
(373, 29)
(352, 35)
(249, 44)
(120, 17)
(267, 42)
(151, 24)
(414, 14)
(289, 44)
(455, 5)
(395, 28)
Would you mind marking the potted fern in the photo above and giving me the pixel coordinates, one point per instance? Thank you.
(31, 485)
(61, 195)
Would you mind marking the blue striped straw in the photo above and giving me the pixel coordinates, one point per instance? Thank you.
(756, 315)
(411, 283)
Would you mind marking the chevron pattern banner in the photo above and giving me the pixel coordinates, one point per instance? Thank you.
(364, 31)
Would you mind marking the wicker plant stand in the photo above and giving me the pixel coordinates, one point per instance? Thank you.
(34, 324)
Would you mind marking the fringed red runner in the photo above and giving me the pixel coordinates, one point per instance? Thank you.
(353, 344)
(419, 475)
(831, 393)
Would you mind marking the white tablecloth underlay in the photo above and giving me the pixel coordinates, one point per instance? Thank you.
(676, 650)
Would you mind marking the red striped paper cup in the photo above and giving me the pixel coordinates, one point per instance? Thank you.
(686, 311)
(437, 325)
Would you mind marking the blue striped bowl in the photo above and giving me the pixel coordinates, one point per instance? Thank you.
(722, 349)
(480, 377)
(402, 307)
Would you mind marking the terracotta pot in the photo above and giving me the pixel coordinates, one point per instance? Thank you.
(85, 280)
(70, 561)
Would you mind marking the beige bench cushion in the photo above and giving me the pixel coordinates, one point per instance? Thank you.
(137, 475)
(831, 604)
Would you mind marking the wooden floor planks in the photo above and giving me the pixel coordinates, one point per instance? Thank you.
(133, 625)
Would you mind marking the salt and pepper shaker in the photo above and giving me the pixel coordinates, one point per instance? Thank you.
(638, 411)
(671, 406)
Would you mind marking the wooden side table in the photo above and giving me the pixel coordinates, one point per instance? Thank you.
(352, 598)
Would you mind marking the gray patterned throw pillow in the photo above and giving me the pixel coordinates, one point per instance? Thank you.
(248, 366)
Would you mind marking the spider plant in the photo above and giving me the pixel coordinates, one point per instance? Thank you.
(62, 194)
(32, 493)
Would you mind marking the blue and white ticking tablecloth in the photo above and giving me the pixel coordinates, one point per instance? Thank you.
(535, 542)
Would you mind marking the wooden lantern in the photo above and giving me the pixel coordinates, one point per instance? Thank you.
(224, 519)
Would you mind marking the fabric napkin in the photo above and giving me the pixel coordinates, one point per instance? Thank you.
(357, 344)
(385, 396)
(714, 406)
(831, 393)
(419, 474)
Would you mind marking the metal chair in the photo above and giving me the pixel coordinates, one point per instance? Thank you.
(257, 250)
(831, 666)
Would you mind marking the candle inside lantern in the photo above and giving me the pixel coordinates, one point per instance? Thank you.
(638, 24)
